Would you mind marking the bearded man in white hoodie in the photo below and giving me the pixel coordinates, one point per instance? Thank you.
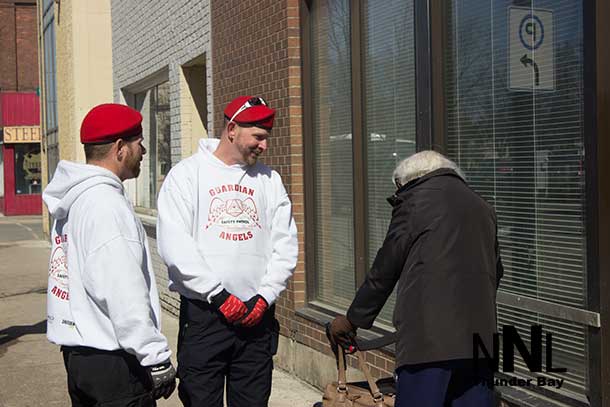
(102, 305)
(226, 232)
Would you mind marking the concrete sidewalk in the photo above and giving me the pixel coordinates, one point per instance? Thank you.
(32, 372)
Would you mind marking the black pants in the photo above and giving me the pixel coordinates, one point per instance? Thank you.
(106, 378)
(210, 350)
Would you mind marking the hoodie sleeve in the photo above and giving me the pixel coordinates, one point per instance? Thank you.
(284, 245)
(114, 279)
(187, 268)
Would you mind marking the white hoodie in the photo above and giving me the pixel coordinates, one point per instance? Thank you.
(228, 227)
(102, 291)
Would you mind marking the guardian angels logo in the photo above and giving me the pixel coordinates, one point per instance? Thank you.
(58, 268)
(235, 215)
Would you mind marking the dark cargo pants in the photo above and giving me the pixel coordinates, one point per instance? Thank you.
(210, 351)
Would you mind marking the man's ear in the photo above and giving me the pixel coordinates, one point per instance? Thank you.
(118, 145)
(231, 128)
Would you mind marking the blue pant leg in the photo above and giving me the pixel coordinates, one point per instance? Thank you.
(477, 396)
(469, 386)
(422, 386)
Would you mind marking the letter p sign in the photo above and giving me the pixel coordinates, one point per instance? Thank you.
(531, 31)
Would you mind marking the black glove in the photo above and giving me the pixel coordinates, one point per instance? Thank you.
(342, 332)
(163, 377)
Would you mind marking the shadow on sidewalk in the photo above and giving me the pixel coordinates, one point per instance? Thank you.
(15, 332)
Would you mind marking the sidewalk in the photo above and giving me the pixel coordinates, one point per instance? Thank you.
(32, 372)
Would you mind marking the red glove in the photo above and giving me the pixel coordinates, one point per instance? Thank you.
(256, 309)
(231, 307)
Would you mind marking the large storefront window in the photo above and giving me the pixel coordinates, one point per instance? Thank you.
(387, 134)
(514, 88)
(154, 106)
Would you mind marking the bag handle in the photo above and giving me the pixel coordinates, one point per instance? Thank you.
(342, 382)
(377, 395)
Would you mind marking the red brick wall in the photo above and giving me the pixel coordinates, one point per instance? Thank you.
(257, 50)
(19, 47)
(8, 55)
(27, 48)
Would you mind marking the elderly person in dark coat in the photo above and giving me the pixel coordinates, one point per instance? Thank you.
(442, 250)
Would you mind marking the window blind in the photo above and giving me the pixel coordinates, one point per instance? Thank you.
(389, 110)
(332, 152)
(522, 150)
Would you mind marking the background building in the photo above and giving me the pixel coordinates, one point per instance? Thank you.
(20, 180)
(76, 74)
(515, 91)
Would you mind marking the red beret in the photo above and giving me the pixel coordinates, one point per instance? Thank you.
(258, 113)
(109, 122)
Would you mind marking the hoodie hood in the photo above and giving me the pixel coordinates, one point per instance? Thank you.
(70, 181)
(207, 146)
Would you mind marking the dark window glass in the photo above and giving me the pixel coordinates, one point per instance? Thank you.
(27, 169)
(156, 126)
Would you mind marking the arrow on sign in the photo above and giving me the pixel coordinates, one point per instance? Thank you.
(528, 61)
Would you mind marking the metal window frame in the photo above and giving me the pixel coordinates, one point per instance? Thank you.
(423, 74)
(597, 151)
(311, 291)
(360, 159)
(358, 146)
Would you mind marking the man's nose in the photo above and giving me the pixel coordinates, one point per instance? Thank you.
(143, 149)
(262, 144)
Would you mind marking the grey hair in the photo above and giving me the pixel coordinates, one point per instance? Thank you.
(422, 163)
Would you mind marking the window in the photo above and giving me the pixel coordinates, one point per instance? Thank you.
(358, 135)
(517, 132)
(27, 169)
(50, 94)
(333, 158)
(154, 106)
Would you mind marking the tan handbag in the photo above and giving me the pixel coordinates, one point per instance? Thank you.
(342, 394)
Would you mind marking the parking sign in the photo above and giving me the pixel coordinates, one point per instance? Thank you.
(531, 49)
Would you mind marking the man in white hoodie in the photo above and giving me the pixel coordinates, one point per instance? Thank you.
(225, 229)
(102, 304)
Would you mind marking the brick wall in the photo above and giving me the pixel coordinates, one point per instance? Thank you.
(8, 56)
(160, 35)
(19, 49)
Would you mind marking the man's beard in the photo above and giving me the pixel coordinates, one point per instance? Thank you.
(252, 157)
(133, 164)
